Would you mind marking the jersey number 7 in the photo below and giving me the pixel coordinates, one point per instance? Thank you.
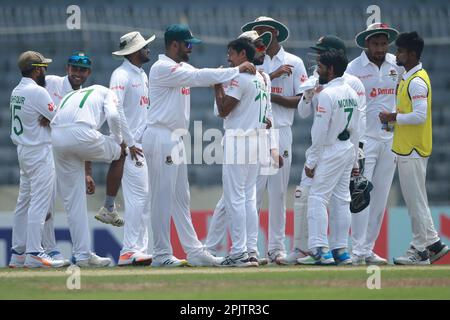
(86, 92)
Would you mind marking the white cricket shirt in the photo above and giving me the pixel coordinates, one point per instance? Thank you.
(130, 84)
(337, 109)
(57, 87)
(28, 102)
(169, 90)
(89, 106)
(286, 85)
(380, 84)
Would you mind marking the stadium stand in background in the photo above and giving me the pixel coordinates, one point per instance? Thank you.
(26, 25)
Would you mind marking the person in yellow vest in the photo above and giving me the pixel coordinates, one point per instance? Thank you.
(412, 144)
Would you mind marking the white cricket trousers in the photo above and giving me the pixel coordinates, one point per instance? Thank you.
(169, 191)
(239, 194)
(379, 169)
(36, 196)
(217, 228)
(137, 215)
(412, 175)
(330, 185)
(276, 186)
(72, 146)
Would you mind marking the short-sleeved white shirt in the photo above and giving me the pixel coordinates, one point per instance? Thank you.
(253, 95)
(286, 85)
(380, 84)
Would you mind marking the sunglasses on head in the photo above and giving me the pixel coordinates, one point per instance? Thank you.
(40, 65)
(80, 60)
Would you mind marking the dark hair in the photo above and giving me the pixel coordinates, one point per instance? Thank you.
(335, 58)
(243, 44)
(411, 41)
(27, 73)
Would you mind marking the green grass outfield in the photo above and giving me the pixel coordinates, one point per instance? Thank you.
(269, 282)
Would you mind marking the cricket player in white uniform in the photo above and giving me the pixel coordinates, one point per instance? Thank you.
(287, 72)
(76, 139)
(30, 104)
(218, 226)
(130, 83)
(413, 145)
(243, 104)
(379, 73)
(78, 70)
(339, 225)
(170, 79)
(332, 155)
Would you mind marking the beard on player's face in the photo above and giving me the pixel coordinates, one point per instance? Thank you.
(144, 55)
(323, 74)
(183, 53)
(40, 79)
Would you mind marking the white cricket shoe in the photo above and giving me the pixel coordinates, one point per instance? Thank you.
(241, 261)
(413, 257)
(134, 259)
(322, 257)
(42, 260)
(94, 261)
(17, 260)
(168, 261)
(291, 258)
(204, 259)
(253, 257)
(358, 260)
(56, 255)
(275, 256)
(107, 217)
(374, 259)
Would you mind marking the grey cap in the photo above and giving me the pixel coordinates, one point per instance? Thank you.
(29, 59)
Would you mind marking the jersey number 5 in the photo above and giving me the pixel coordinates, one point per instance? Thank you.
(14, 118)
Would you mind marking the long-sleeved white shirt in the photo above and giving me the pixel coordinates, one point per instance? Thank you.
(306, 109)
(418, 91)
(380, 85)
(336, 110)
(130, 84)
(28, 102)
(169, 90)
(286, 85)
(90, 106)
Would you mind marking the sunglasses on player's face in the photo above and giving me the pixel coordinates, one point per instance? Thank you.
(261, 48)
(188, 45)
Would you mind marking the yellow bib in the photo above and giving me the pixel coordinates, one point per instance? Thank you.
(409, 137)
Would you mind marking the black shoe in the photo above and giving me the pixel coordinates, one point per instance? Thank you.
(437, 250)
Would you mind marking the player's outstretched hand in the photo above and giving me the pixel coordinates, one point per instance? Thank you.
(285, 68)
(90, 185)
(247, 67)
(135, 152)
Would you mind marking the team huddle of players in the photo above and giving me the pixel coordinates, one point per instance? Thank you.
(55, 123)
